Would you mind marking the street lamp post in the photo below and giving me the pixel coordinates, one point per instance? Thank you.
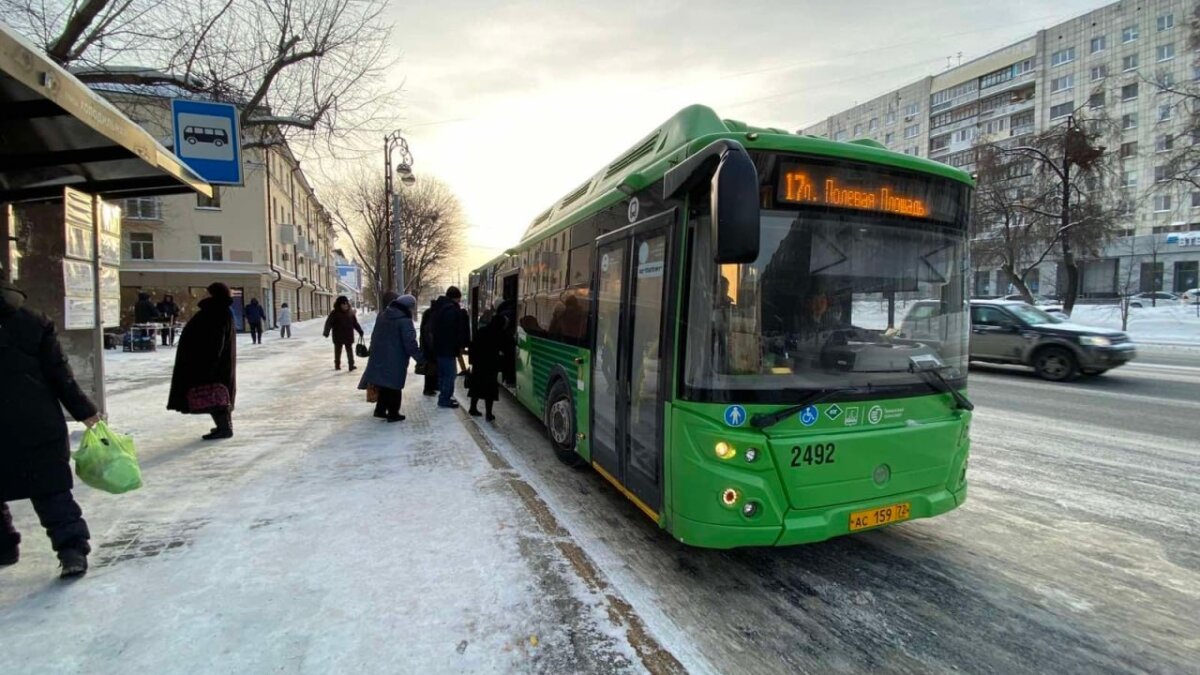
(391, 206)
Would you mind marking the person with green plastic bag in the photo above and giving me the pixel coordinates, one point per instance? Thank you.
(35, 379)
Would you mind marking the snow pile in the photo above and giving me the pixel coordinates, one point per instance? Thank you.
(1165, 324)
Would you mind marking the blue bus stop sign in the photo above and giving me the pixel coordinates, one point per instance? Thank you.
(208, 140)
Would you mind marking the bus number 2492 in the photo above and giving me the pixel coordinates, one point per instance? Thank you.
(818, 453)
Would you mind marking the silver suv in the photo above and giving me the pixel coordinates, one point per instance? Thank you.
(1004, 331)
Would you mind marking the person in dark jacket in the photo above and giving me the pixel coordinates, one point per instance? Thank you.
(485, 365)
(255, 315)
(451, 332)
(431, 373)
(393, 344)
(144, 310)
(168, 313)
(207, 360)
(35, 462)
(342, 324)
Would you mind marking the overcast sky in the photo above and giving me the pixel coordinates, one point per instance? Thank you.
(514, 104)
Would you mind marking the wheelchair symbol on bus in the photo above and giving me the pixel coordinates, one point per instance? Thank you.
(809, 416)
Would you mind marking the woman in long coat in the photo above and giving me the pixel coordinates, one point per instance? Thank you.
(207, 360)
(485, 354)
(36, 382)
(342, 323)
(393, 344)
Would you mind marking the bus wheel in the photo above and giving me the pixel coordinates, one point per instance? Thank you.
(560, 421)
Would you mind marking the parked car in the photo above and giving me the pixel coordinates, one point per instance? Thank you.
(1191, 296)
(1156, 297)
(1005, 331)
(1038, 300)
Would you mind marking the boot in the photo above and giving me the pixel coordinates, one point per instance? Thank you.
(74, 563)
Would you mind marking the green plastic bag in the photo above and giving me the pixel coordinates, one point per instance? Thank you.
(107, 461)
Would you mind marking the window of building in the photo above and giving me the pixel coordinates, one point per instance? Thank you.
(1161, 174)
(995, 126)
(1099, 43)
(1162, 203)
(1166, 111)
(964, 135)
(1129, 33)
(939, 143)
(1129, 92)
(1062, 110)
(912, 131)
(143, 208)
(1129, 149)
(1129, 179)
(1099, 72)
(891, 117)
(1096, 100)
(1187, 275)
(857, 130)
(1166, 22)
(1196, 200)
(839, 135)
(1165, 52)
(1196, 73)
(213, 202)
(1021, 122)
(1005, 74)
(873, 124)
(1129, 121)
(1129, 62)
(961, 159)
(1027, 65)
(141, 245)
(1165, 79)
(912, 109)
(210, 248)
(1150, 278)
(1062, 56)
(889, 137)
(956, 115)
(1062, 83)
(1164, 143)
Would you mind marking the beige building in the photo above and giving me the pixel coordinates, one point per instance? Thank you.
(269, 239)
(1107, 60)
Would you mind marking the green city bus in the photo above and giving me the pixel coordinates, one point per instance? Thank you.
(760, 338)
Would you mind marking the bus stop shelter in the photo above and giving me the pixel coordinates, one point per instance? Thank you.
(66, 155)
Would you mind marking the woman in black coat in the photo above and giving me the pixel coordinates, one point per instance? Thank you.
(485, 365)
(35, 379)
(206, 360)
(342, 323)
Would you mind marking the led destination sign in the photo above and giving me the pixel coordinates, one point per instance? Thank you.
(863, 190)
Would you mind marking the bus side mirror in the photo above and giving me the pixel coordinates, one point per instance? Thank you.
(733, 195)
(735, 218)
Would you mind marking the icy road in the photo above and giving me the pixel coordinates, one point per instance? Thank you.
(1076, 552)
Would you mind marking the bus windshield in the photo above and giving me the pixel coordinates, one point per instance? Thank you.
(835, 299)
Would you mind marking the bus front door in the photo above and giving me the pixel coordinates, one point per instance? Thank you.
(627, 408)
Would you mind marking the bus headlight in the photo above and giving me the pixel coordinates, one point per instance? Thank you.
(751, 454)
(750, 509)
(730, 497)
(724, 450)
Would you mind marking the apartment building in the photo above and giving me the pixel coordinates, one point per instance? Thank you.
(1110, 59)
(269, 239)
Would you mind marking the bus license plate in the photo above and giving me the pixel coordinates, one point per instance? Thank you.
(892, 513)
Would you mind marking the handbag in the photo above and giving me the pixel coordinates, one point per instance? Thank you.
(372, 393)
(419, 369)
(208, 398)
(361, 349)
(468, 377)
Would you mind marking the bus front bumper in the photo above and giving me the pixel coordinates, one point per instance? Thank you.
(809, 526)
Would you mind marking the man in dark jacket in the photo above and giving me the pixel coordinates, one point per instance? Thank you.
(431, 373)
(35, 379)
(144, 310)
(168, 313)
(255, 315)
(342, 324)
(451, 332)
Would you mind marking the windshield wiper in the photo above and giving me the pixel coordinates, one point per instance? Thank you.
(764, 420)
(930, 369)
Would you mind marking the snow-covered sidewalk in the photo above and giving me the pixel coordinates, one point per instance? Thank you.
(318, 539)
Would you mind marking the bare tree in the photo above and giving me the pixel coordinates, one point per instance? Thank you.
(1071, 193)
(1183, 164)
(298, 69)
(431, 228)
